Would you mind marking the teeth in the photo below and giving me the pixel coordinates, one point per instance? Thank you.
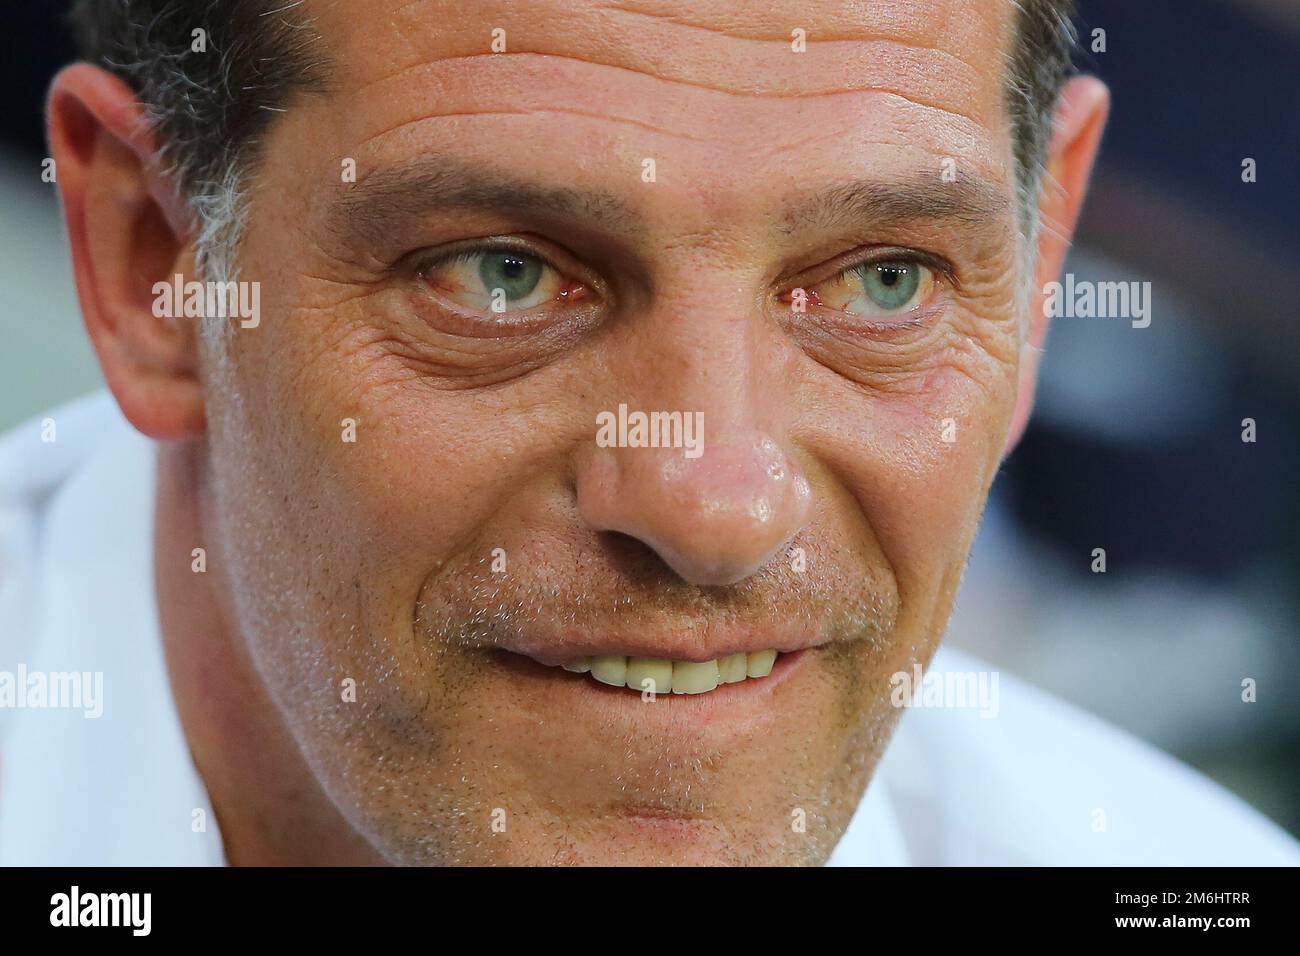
(677, 677)
(610, 670)
(760, 663)
(692, 678)
(733, 668)
(658, 673)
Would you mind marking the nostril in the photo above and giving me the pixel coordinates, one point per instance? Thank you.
(713, 522)
(636, 560)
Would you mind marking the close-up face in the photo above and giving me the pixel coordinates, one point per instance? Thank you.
(626, 433)
(454, 559)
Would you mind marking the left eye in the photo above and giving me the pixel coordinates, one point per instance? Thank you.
(495, 280)
(878, 288)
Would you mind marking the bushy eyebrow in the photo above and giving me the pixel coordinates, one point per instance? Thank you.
(967, 199)
(402, 196)
(394, 199)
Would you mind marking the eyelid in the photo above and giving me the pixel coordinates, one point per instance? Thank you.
(453, 318)
(426, 260)
(833, 268)
(423, 260)
(919, 317)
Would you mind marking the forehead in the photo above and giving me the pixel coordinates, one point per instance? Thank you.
(715, 93)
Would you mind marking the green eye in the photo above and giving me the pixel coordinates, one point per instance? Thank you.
(495, 281)
(884, 288)
(890, 285)
(515, 274)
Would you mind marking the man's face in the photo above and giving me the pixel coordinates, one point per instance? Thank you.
(648, 184)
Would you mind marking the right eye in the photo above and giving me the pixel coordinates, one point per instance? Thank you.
(496, 281)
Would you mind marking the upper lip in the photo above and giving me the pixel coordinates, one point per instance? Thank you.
(680, 646)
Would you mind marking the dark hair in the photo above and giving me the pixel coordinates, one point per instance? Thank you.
(1040, 62)
(210, 108)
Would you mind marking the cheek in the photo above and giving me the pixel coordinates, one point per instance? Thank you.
(918, 463)
(393, 484)
(338, 484)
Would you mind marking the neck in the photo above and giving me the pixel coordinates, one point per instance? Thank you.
(269, 807)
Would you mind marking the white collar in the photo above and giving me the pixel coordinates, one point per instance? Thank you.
(119, 790)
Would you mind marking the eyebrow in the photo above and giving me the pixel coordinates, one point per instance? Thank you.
(398, 197)
(967, 199)
(395, 199)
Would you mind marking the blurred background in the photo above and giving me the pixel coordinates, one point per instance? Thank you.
(1136, 443)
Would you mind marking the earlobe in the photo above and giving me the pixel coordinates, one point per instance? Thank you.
(1078, 123)
(127, 230)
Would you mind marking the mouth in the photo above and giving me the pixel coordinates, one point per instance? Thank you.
(663, 676)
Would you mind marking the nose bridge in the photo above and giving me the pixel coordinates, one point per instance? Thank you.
(693, 463)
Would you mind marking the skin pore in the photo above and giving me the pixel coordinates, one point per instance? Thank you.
(825, 514)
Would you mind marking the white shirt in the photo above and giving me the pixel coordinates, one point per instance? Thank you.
(1039, 783)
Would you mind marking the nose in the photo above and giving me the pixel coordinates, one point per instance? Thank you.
(714, 519)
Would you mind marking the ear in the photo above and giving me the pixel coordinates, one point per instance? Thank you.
(127, 229)
(1076, 133)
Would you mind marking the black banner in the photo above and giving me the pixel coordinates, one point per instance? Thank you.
(925, 905)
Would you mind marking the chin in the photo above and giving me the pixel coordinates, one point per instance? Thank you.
(659, 842)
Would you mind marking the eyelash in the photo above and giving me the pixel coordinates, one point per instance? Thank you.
(938, 265)
(424, 263)
(467, 321)
(941, 268)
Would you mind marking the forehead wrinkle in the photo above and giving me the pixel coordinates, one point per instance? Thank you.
(916, 19)
(774, 92)
(538, 91)
(947, 34)
(571, 54)
(931, 58)
(373, 138)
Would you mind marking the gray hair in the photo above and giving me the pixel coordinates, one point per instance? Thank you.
(211, 108)
(211, 76)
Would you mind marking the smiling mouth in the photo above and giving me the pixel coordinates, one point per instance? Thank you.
(678, 677)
